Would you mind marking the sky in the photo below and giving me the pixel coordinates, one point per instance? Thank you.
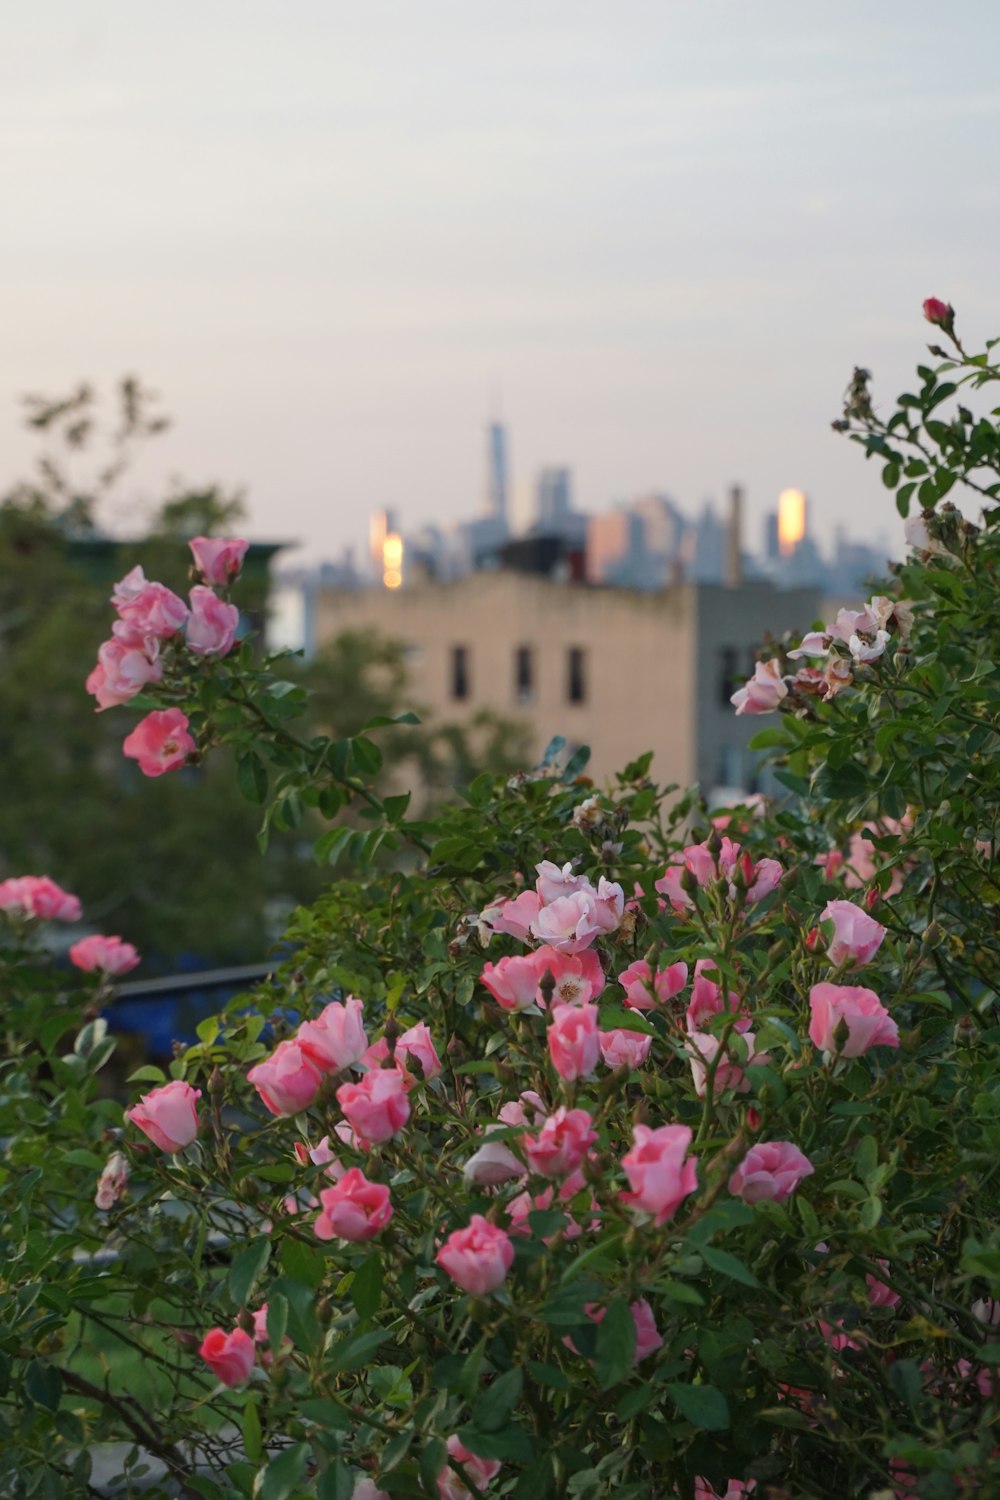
(338, 238)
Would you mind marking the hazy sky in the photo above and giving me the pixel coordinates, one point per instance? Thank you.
(335, 235)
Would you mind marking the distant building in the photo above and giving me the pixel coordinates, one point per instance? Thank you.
(621, 670)
(793, 516)
(706, 557)
(496, 473)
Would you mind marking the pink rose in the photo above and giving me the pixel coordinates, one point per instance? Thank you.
(609, 905)
(129, 588)
(218, 559)
(367, 1489)
(625, 1049)
(647, 1336)
(555, 881)
(763, 692)
(703, 1049)
(578, 977)
(941, 314)
(260, 1335)
(880, 1295)
(478, 1257)
(417, 1045)
(696, 861)
(761, 876)
(528, 1109)
(561, 1145)
(336, 1039)
(513, 917)
(771, 1170)
(569, 923)
(39, 897)
(108, 954)
(574, 1041)
(168, 1115)
(212, 624)
(658, 1174)
(642, 985)
(154, 611)
(160, 742)
(479, 1470)
(847, 1020)
(229, 1356)
(376, 1108)
(856, 936)
(513, 981)
(353, 1209)
(122, 671)
(112, 1182)
(287, 1081)
(707, 1000)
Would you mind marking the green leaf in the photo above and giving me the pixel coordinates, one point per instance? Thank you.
(303, 1329)
(302, 1263)
(391, 1384)
(544, 1374)
(905, 1378)
(497, 1402)
(251, 778)
(282, 1475)
(576, 762)
(366, 1288)
(767, 739)
(513, 1444)
(252, 1437)
(620, 1018)
(336, 1482)
(277, 1319)
(615, 1344)
(728, 1265)
(432, 1461)
(43, 1385)
(703, 1405)
(367, 755)
(246, 1268)
(356, 1349)
(148, 1074)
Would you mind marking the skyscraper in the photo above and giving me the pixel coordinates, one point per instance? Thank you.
(496, 473)
(553, 497)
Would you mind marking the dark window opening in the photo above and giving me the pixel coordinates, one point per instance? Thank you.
(524, 674)
(460, 672)
(576, 680)
(729, 674)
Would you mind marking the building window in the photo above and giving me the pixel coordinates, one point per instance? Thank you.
(729, 674)
(460, 672)
(524, 674)
(576, 677)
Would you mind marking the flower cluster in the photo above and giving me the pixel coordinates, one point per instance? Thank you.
(154, 624)
(856, 638)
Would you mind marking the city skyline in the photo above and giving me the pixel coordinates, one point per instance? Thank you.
(653, 245)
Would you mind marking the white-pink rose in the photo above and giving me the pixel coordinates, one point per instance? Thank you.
(770, 1170)
(763, 692)
(212, 624)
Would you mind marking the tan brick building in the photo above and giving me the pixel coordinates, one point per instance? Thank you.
(618, 669)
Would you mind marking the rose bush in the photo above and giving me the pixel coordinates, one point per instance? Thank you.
(567, 1157)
